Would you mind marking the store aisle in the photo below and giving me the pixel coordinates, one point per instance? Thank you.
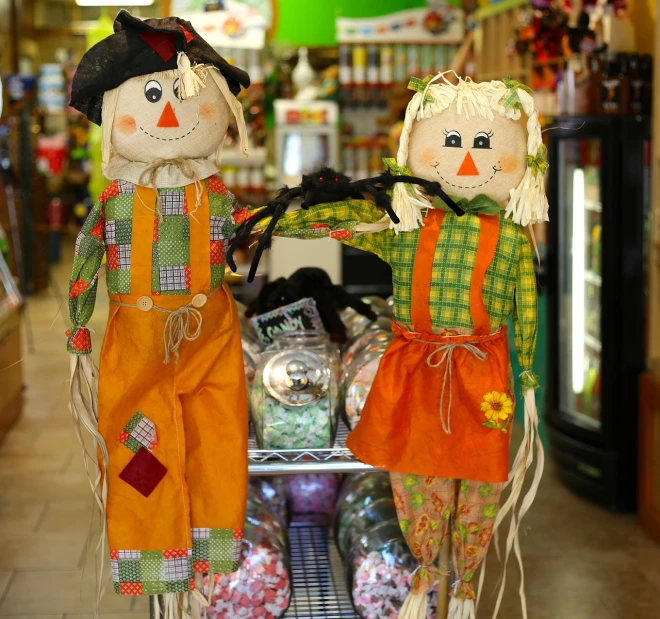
(580, 561)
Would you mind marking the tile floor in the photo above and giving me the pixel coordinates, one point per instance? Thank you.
(581, 562)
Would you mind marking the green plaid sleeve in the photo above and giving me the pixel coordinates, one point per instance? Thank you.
(90, 248)
(337, 220)
(525, 308)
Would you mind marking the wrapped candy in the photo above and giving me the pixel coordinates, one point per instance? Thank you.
(313, 497)
(380, 571)
(260, 589)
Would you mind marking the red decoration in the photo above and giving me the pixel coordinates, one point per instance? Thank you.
(111, 191)
(189, 37)
(77, 288)
(161, 43)
(112, 257)
(217, 253)
(144, 472)
(217, 186)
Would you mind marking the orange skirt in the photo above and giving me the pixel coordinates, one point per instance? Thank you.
(440, 406)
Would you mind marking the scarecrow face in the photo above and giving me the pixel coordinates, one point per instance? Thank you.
(151, 122)
(471, 156)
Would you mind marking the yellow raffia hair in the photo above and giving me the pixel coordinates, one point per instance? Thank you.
(528, 203)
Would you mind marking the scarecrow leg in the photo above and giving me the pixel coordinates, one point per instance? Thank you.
(425, 507)
(476, 510)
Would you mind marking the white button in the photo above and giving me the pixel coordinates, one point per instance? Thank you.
(199, 300)
(145, 303)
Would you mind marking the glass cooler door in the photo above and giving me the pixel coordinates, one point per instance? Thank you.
(580, 280)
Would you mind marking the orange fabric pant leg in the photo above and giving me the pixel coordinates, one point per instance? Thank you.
(176, 432)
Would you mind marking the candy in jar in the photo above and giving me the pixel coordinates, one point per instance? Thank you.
(272, 492)
(313, 497)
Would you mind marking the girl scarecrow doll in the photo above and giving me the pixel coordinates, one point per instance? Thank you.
(170, 419)
(439, 413)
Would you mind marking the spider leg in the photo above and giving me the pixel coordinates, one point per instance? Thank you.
(431, 187)
(266, 239)
(383, 201)
(307, 202)
(244, 231)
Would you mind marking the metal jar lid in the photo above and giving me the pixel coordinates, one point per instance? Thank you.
(297, 377)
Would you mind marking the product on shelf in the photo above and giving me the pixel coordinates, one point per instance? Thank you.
(272, 492)
(358, 492)
(313, 497)
(379, 573)
(294, 394)
(260, 589)
(368, 339)
(359, 377)
(380, 510)
(259, 515)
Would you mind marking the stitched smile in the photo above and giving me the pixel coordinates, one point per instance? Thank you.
(495, 171)
(170, 139)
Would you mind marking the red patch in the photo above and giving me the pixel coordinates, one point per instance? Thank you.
(340, 234)
(201, 567)
(161, 43)
(97, 230)
(187, 272)
(189, 37)
(111, 191)
(238, 533)
(144, 472)
(77, 288)
(123, 437)
(175, 553)
(319, 227)
(217, 186)
(114, 555)
(240, 216)
(112, 257)
(81, 340)
(191, 584)
(217, 253)
(155, 237)
(130, 588)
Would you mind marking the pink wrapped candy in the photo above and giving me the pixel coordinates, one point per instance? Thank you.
(313, 497)
(261, 588)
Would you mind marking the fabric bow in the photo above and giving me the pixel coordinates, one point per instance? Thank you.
(538, 162)
(479, 204)
(395, 168)
(425, 576)
(511, 98)
(420, 85)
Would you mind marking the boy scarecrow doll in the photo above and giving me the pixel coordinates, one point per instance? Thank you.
(170, 418)
(439, 413)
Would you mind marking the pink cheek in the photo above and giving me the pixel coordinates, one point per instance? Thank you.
(208, 111)
(510, 163)
(126, 125)
(428, 157)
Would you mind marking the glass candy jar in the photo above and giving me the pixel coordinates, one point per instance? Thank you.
(294, 395)
(273, 493)
(379, 573)
(261, 517)
(362, 491)
(372, 514)
(260, 588)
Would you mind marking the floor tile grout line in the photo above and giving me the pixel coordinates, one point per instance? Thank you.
(7, 587)
(42, 516)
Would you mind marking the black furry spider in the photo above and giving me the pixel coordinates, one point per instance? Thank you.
(327, 185)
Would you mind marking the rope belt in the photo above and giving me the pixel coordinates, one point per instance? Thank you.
(184, 323)
(447, 357)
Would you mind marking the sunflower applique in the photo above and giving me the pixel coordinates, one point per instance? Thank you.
(498, 409)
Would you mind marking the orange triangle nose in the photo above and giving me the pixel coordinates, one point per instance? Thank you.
(467, 167)
(168, 117)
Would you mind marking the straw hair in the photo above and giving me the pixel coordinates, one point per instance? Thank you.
(528, 203)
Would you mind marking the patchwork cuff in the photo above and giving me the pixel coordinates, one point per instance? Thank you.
(79, 341)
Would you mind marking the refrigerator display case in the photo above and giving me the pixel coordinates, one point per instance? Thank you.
(599, 198)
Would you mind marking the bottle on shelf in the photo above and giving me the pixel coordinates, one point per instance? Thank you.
(595, 77)
(345, 72)
(611, 88)
(646, 67)
(635, 85)
(400, 64)
(413, 60)
(386, 69)
(373, 73)
(359, 58)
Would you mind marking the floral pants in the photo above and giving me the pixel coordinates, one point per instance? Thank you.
(432, 508)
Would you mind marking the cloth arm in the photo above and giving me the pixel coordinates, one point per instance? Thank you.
(90, 248)
(347, 221)
(525, 315)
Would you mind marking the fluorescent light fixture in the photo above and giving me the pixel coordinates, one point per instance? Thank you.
(130, 3)
(577, 282)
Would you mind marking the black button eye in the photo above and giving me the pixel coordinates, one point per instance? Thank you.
(175, 87)
(453, 139)
(153, 91)
(481, 140)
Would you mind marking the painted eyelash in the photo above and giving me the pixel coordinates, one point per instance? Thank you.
(490, 135)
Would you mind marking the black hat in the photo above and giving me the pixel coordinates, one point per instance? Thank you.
(141, 47)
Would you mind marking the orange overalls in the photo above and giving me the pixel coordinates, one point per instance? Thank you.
(176, 432)
(437, 418)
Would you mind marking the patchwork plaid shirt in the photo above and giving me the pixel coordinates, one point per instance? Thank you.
(509, 285)
(108, 231)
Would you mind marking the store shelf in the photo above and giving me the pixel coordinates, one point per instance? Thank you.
(338, 459)
(319, 591)
(593, 278)
(592, 342)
